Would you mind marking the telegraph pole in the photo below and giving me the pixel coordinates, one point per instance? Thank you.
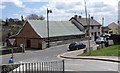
(88, 28)
(89, 36)
(102, 24)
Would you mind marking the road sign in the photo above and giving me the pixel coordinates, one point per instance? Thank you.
(11, 41)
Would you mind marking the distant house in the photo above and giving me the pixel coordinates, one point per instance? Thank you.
(34, 33)
(95, 27)
(115, 27)
(105, 29)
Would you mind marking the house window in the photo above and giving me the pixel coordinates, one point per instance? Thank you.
(92, 27)
(92, 33)
(85, 27)
(98, 27)
(98, 33)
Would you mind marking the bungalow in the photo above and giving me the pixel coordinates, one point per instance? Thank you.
(34, 33)
(94, 26)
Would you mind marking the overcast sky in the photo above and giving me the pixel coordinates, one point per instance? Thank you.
(62, 10)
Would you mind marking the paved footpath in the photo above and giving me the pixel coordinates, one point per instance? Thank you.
(74, 55)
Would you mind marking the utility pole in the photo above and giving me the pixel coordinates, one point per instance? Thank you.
(103, 44)
(86, 16)
(85, 10)
(88, 28)
(102, 24)
(89, 36)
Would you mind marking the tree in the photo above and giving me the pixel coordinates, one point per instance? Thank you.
(2, 22)
(35, 17)
(6, 22)
(41, 17)
(11, 20)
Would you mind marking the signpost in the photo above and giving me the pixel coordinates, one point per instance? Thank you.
(12, 43)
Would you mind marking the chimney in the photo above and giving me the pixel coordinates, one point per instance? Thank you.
(80, 16)
(92, 17)
(75, 16)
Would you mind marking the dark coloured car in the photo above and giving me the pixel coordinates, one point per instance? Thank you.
(76, 46)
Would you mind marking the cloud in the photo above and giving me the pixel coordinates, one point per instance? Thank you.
(18, 3)
(65, 9)
(67, 5)
(31, 10)
(34, 0)
(103, 8)
(97, 5)
(106, 8)
(51, 0)
(119, 11)
(2, 7)
(16, 15)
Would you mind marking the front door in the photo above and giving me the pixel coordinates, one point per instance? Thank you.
(28, 44)
(95, 36)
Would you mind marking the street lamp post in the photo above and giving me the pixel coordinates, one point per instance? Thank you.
(48, 11)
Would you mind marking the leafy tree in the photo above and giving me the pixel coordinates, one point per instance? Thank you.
(2, 23)
(6, 22)
(35, 17)
(41, 17)
(11, 20)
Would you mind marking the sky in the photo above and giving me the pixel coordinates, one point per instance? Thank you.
(62, 10)
(119, 11)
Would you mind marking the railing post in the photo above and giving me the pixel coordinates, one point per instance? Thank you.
(49, 67)
(63, 66)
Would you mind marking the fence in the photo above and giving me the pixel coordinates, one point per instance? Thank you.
(39, 67)
(4, 51)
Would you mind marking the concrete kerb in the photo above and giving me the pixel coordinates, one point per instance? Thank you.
(73, 55)
(90, 59)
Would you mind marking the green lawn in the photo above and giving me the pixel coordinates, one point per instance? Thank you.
(108, 51)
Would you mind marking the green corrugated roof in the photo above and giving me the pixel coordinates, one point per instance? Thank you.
(57, 28)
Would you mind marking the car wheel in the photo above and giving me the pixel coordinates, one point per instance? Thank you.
(70, 49)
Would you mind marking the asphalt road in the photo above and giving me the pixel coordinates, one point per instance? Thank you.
(89, 65)
(37, 55)
(40, 55)
(51, 54)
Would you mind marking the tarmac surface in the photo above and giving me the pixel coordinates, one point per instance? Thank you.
(73, 62)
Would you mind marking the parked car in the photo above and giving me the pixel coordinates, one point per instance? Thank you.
(101, 40)
(76, 46)
(105, 35)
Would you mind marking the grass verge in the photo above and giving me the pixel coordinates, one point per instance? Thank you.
(113, 50)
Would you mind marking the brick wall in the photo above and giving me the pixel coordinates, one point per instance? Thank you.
(28, 33)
